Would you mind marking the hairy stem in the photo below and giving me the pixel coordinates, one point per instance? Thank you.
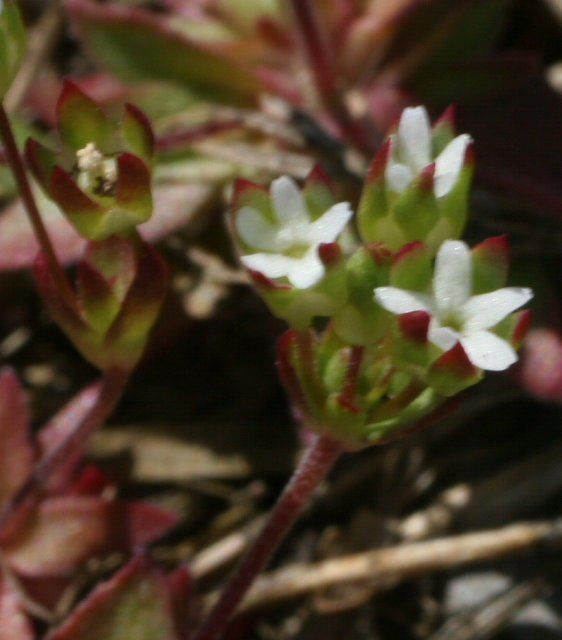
(113, 386)
(17, 166)
(315, 465)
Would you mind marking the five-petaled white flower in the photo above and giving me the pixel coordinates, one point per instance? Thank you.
(411, 152)
(289, 245)
(458, 316)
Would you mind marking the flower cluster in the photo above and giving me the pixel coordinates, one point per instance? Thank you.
(413, 315)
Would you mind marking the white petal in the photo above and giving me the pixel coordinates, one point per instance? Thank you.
(486, 310)
(330, 224)
(288, 201)
(401, 301)
(255, 230)
(487, 351)
(452, 282)
(444, 337)
(398, 177)
(307, 271)
(271, 265)
(414, 138)
(449, 163)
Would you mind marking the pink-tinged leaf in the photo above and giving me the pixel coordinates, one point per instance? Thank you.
(174, 207)
(81, 121)
(60, 427)
(14, 623)
(60, 535)
(137, 524)
(136, 604)
(117, 37)
(16, 452)
(541, 365)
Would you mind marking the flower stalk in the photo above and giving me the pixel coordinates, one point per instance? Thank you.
(316, 464)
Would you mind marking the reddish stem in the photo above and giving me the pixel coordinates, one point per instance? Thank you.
(111, 391)
(319, 459)
(316, 46)
(14, 159)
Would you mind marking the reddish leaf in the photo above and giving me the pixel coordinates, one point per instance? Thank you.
(61, 534)
(137, 524)
(61, 426)
(16, 453)
(175, 206)
(14, 624)
(136, 604)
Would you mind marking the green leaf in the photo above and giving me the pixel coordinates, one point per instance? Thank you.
(117, 37)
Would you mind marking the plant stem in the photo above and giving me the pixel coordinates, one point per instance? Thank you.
(112, 389)
(316, 47)
(315, 465)
(15, 160)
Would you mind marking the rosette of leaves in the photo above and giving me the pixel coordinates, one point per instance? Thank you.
(121, 285)
(101, 175)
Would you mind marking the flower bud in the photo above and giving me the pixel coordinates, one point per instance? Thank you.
(417, 187)
(101, 176)
(121, 285)
(12, 44)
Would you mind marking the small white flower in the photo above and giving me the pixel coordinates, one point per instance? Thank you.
(290, 244)
(411, 153)
(458, 316)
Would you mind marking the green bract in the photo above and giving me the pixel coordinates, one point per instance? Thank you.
(101, 177)
(12, 44)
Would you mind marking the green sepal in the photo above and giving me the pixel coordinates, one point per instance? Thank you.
(426, 402)
(412, 268)
(416, 211)
(81, 121)
(453, 372)
(318, 192)
(373, 206)
(362, 321)
(490, 264)
(443, 131)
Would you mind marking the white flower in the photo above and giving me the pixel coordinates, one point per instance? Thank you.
(458, 316)
(290, 243)
(411, 153)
